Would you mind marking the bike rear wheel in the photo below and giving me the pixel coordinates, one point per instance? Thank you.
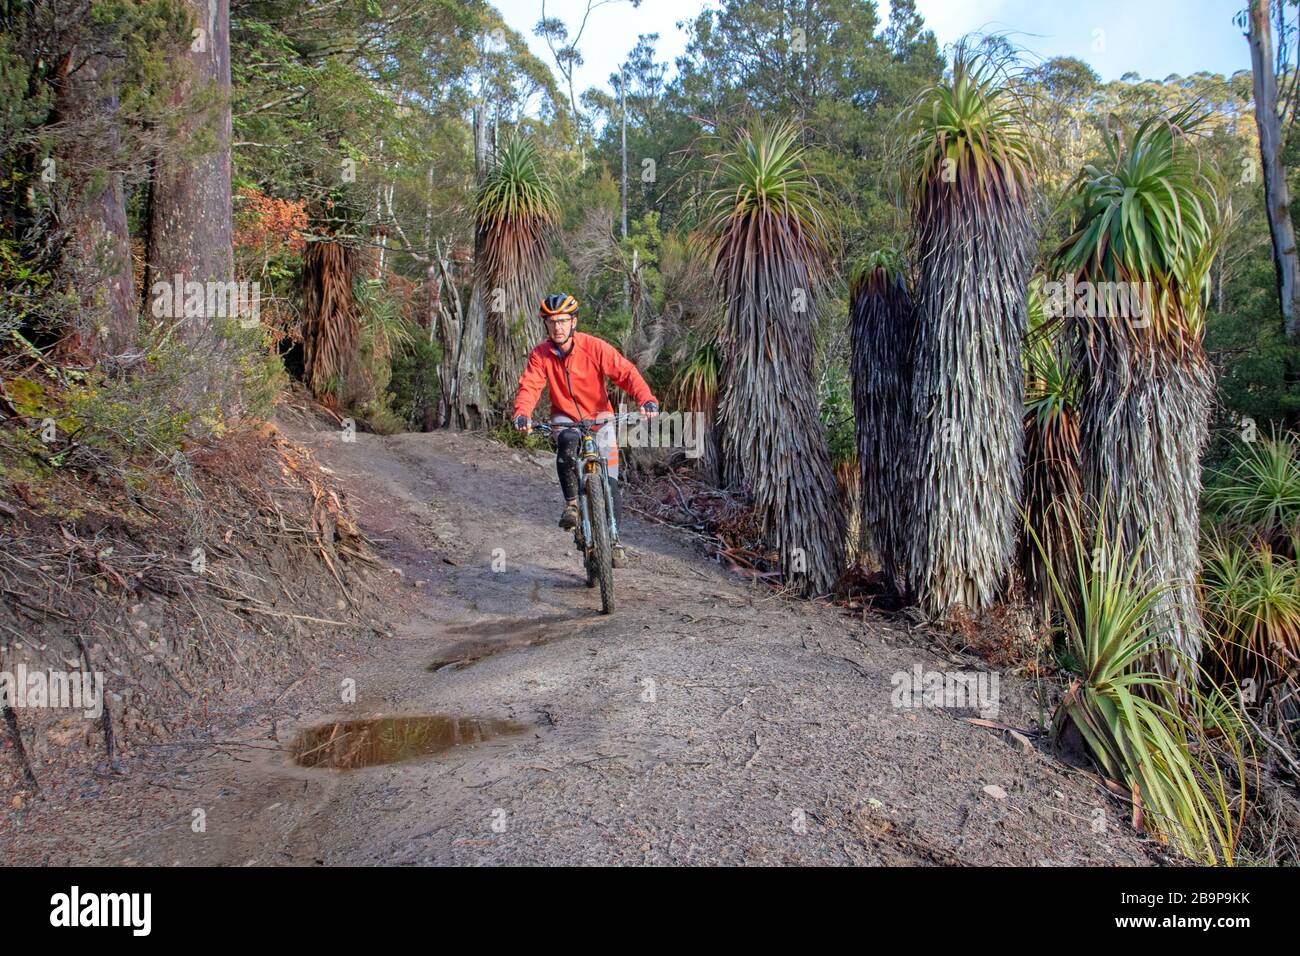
(600, 563)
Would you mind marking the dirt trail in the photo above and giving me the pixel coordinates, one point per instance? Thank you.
(706, 721)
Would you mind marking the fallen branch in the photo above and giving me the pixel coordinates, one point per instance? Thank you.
(11, 721)
(297, 617)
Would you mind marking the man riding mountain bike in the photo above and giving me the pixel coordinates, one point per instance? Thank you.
(575, 366)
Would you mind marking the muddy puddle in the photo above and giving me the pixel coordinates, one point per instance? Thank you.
(351, 744)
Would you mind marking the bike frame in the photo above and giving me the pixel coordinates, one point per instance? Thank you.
(590, 461)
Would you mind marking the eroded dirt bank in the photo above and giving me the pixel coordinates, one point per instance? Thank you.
(707, 721)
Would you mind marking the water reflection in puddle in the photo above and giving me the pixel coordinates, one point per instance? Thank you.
(347, 745)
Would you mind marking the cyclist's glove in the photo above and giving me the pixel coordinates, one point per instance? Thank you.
(521, 421)
(651, 408)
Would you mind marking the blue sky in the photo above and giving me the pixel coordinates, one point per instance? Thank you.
(1151, 37)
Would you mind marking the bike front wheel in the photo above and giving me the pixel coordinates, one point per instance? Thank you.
(600, 561)
(588, 565)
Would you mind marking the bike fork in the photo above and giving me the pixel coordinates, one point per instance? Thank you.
(609, 507)
(586, 518)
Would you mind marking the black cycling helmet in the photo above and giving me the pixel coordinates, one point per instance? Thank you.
(558, 303)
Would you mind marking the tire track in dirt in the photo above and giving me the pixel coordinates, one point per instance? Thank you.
(706, 721)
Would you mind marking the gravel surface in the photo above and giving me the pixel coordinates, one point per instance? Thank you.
(707, 721)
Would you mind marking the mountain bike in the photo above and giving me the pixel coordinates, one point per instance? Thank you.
(597, 530)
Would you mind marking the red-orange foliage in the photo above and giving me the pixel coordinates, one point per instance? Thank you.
(266, 226)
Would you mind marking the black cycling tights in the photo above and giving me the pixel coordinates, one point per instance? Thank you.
(566, 466)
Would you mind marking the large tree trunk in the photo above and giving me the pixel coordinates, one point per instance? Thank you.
(447, 330)
(469, 406)
(1277, 197)
(190, 229)
(470, 410)
(482, 144)
(461, 402)
(97, 259)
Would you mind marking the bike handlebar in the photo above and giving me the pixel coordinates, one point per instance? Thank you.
(586, 424)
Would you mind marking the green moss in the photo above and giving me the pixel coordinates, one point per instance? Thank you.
(29, 398)
(21, 469)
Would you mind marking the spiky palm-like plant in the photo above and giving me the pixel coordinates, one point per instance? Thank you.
(848, 479)
(1140, 727)
(1051, 473)
(1252, 605)
(516, 213)
(696, 390)
(331, 329)
(969, 172)
(1258, 490)
(1144, 237)
(772, 246)
(697, 383)
(882, 324)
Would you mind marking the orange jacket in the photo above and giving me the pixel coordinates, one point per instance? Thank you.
(588, 364)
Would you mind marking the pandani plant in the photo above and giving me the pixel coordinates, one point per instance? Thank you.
(1052, 468)
(1250, 581)
(331, 330)
(1138, 262)
(516, 215)
(882, 325)
(696, 392)
(1178, 754)
(772, 248)
(969, 178)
